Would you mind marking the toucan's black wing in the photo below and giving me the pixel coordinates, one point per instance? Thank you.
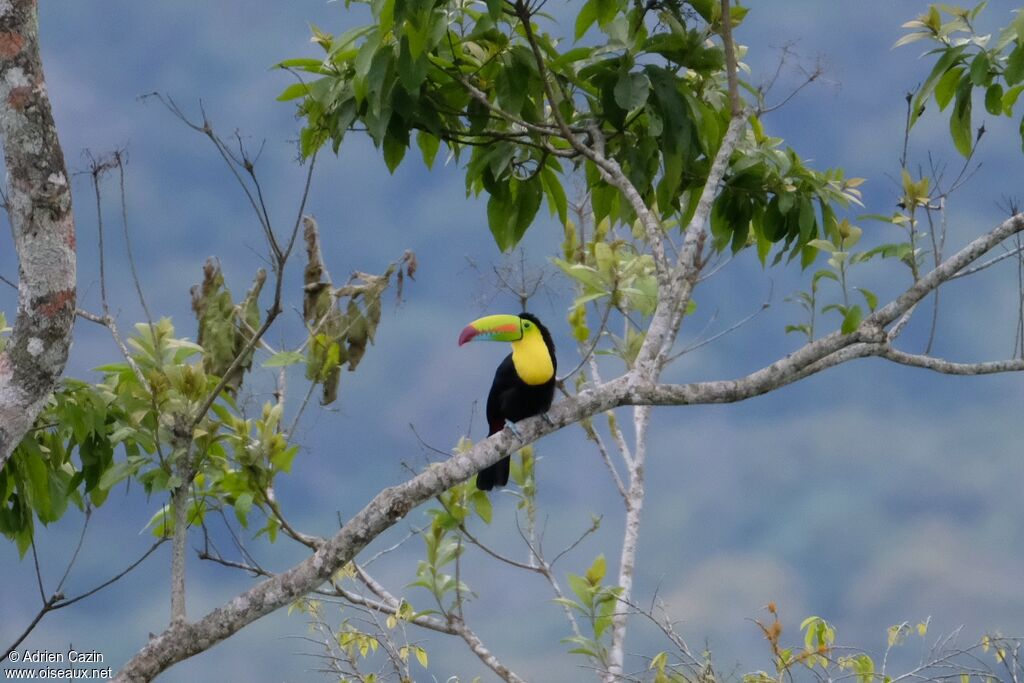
(504, 384)
(503, 388)
(510, 400)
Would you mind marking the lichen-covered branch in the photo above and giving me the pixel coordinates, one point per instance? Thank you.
(39, 205)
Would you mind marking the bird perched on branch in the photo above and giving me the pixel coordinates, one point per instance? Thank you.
(524, 384)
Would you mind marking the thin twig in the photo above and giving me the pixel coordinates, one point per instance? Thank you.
(732, 328)
(128, 242)
(78, 548)
(57, 600)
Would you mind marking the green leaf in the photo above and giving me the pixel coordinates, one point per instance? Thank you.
(117, 473)
(979, 70)
(293, 91)
(1010, 97)
(482, 505)
(572, 604)
(852, 319)
(162, 522)
(824, 245)
(597, 570)
(494, 8)
(282, 460)
(394, 151)
(709, 10)
(428, 144)
(808, 224)
(607, 11)
(960, 121)
(283, 358)
(947, 86)
(514, 212)
(631, 90)
(1014, 71)
(242, 506)
(911, 38)
(304, 63)
(994, 99)
(412, 69)
(38, 481)
(555, 193)
(870, 297)
(949, 57)
(586, 18)
(499, 210)
(721, 227)
(583, 590)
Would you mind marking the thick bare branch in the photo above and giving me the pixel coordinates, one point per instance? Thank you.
(39, 204)
(181, 641)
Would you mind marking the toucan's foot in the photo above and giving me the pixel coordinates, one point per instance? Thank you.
(547, 418)
(512, 428)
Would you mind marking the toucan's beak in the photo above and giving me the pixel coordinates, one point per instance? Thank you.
(507, 328)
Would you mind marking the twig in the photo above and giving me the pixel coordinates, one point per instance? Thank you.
(128, 242)
(592, 434)
(715, 337)
(989, 263)
(58, 601)
(74, 553)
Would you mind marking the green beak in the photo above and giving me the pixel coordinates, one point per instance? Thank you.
(504, 327)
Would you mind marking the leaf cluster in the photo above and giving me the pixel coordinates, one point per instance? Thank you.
(968, 62)
(61, 461)
(642, 85)
(596, 603)
(226, 328)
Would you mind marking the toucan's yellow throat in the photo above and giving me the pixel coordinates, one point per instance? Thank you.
(531, 358)
(530, 354)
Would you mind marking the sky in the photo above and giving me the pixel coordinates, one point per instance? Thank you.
(869, 495)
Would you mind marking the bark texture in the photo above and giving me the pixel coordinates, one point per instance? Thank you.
(39, 206)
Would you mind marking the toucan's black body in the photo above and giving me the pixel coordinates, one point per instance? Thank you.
(511, 400)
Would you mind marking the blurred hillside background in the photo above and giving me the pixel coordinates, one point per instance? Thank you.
(869, 495)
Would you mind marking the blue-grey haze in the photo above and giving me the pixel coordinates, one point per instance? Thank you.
(870, 495)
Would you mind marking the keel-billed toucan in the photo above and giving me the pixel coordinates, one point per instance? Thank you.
(524, 383)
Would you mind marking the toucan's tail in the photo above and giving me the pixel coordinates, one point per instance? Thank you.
(495, 475)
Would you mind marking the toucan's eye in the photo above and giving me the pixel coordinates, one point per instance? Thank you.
(526, 325)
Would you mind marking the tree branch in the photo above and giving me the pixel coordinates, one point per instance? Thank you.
(181, 641)
(39, 204)
(730, 61)
(481, 651)
(630, 539)
(950, 367)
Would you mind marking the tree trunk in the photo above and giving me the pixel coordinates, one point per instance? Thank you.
(39, 206)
